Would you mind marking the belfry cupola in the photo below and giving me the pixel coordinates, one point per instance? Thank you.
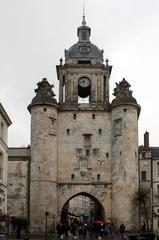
(84, 50)
(83, 77)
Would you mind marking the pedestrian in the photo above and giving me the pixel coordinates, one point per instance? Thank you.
(85, 228)
(112, 229)
(60, 230)
(143, 227)
(66, 229)
(74, 230)
(122, 230)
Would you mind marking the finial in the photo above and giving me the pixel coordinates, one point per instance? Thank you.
(83, 21)
(107, 61)
(61, 60)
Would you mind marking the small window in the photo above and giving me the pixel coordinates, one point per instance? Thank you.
(157, 189)
(74, 116)
(95, 151)
(2, 130)
(98, 176)
(143, 155)
(117, 127)
(158, 168)
(100, 131)
(72, 176)
(93, 116)
(52, 120)
(87, 152)
(82, 61)
(68, 131)
(107, 154)
(78, 151)
(143, 175)
(87, 140)
(125, 110)
(45, 109)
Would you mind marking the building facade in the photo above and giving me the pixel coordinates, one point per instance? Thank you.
(149, 179)
(18, 181)
(82, 145)
(81, 208)
(5, 122)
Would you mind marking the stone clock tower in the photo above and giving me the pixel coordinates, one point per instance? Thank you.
(84, 75)
(83, 145)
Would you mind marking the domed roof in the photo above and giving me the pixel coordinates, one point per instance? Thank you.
(81, 50)
(84, 49)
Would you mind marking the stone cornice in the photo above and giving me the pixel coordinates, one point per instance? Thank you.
(85, 183)
(5, 115)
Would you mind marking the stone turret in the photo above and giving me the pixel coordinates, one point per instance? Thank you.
(124, 115)
(43, 174)
(44, 95)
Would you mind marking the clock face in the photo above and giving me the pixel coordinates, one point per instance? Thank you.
(84, 82)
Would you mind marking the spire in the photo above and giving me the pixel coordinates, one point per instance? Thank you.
(83, 21)
(83, 32)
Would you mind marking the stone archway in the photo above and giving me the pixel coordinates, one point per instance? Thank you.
(94, 208)
(101, 194)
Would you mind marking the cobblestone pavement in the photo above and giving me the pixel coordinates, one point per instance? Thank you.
(55, 237)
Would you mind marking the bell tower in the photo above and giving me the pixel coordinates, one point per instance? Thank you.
(83, 145)
(84, 77)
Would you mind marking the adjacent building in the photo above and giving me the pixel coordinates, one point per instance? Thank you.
(149, 179)
(5, 122)
(18, 181)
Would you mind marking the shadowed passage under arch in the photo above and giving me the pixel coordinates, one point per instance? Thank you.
(82, 207)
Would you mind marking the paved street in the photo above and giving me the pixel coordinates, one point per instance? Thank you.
(55, 237)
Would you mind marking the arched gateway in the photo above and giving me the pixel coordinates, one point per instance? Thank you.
(83, 144)
(97, 209)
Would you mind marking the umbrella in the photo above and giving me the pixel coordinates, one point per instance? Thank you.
(100, 222)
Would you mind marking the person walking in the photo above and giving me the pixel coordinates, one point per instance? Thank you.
(122, 230)
(60, 231)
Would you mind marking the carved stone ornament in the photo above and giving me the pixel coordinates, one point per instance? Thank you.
(45, 89)
(122, 89)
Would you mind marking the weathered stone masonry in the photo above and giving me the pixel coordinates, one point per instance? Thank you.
(81, 148)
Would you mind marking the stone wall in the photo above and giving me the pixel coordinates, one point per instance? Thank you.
(43, 184)
(18, 181)
(125, 180)
(84, 156)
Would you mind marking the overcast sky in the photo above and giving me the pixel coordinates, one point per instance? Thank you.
(34, 34)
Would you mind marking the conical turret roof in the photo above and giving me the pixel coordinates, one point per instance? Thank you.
(44, 94)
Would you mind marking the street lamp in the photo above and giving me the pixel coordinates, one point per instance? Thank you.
(46, 215)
